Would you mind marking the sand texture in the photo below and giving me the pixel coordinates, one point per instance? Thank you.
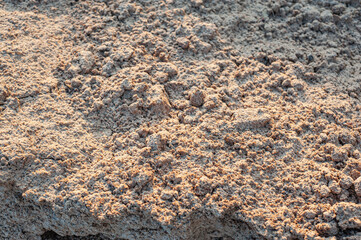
(180, 119)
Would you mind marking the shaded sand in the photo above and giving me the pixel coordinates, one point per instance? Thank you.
(180, 119)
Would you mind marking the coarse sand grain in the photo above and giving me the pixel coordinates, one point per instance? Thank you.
(177, 119)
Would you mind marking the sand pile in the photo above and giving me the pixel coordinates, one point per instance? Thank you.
(179, 119)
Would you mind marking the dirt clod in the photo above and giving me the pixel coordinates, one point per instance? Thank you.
(178, 119)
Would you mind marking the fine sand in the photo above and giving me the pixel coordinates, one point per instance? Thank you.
(180, 119)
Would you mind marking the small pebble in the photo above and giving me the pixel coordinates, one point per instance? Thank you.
(183, 42)
(310, 214)
(310, 58)
(334, 187)
(197, 98)
(346, 182)
(325, 191)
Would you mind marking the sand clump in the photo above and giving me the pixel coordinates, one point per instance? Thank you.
(180, 119)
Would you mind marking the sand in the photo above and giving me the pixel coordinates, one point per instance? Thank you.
(175, 119)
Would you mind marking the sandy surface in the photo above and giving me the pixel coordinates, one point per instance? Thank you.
(177, 119)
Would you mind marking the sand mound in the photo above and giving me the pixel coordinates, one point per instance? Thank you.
(180, 119)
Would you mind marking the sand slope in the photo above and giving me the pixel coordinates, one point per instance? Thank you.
(180, 119)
